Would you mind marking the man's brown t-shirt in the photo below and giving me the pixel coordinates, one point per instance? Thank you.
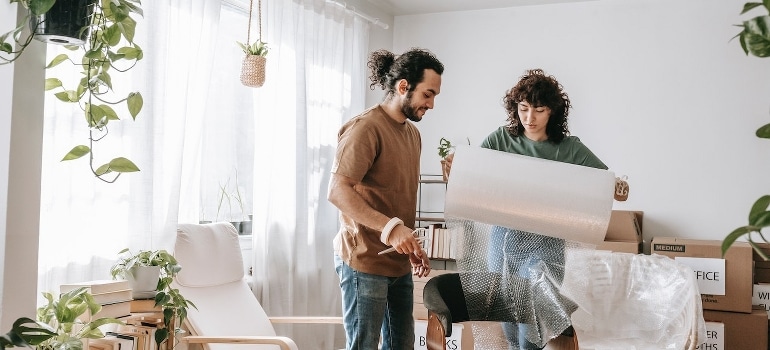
(384, 156)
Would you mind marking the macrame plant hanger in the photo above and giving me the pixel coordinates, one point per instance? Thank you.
(253, 68)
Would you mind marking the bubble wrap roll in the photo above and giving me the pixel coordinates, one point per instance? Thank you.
(530, 194)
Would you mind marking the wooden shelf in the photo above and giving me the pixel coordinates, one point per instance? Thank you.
(431, 219)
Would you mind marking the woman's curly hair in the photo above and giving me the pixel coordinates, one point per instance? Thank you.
(539, 90)
(385, 68)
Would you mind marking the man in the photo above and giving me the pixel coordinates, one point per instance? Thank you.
(374, 184)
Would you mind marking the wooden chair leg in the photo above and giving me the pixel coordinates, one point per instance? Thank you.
(434, 335)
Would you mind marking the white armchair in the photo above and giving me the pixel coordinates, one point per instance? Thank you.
(212, 277)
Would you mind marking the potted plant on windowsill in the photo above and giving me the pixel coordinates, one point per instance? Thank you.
(169, 299)
(755, 41)
(104, 30)
(58, 325)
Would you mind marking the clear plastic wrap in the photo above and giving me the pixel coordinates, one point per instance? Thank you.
(536, 285)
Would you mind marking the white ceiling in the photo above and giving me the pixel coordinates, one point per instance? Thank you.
(413, 7)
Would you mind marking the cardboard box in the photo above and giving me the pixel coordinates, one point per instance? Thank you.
(744, 331)
(461, 339)
(705, 256)
(761, 297)
(624, 232)
(761, 275)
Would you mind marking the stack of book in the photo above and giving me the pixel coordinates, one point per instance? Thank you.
(439, 244)
(114, 297)
(128, 337)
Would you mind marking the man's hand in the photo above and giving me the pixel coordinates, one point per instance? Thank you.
(403, 240)
(420, 263)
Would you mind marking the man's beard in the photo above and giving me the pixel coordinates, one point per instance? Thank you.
(409, 111)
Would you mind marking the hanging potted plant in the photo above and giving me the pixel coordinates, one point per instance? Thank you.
(110, 47)
(104, 29)
(255, 61)
(50, 21)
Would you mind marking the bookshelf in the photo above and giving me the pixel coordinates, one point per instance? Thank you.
(431, 194)
(430, 200)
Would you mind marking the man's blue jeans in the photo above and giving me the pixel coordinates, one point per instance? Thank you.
(376, 305)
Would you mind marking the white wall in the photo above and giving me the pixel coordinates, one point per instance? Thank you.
(660, 94)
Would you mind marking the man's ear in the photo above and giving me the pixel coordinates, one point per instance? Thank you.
(403, 86)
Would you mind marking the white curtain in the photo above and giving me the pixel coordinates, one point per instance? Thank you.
(316, 79)
(85, 222)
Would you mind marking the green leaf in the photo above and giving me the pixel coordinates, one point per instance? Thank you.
(52, 83)
(128, 28)
(104, 169)
(5, 47)
(764, 131)
(56, 60)
(77, 152)
(730, 239)
(95, 115)
(123, 165)
(40, 7)
(756, 33)
(762, 220)
(67, 96)
(109, 112)
(135, 103)
(759, 207)
(160, 335)
(112, 35)
(130, 53)
(749, 6)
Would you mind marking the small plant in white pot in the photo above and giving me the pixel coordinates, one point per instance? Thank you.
(169, 299)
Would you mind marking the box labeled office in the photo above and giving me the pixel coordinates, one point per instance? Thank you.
(736, 276)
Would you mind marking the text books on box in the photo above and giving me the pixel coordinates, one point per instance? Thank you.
(97, 286)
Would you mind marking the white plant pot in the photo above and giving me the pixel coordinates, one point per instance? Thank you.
(143, 281)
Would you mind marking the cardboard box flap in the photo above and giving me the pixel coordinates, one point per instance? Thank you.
(624, 226)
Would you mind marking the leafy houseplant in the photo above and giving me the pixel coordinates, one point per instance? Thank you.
(36, 8)
(227, 197)
(755, 40)
(445, 147)
(255, 61)
(169, 299)
(110, 47)
(58, 326)
(107, 46)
